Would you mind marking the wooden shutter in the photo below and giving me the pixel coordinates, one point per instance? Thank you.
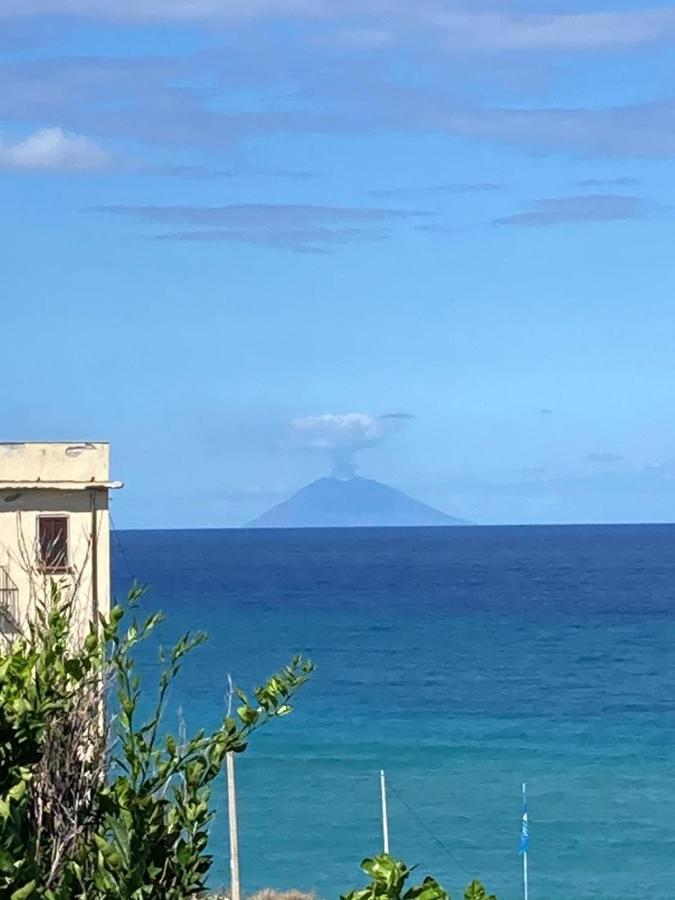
(53, 542)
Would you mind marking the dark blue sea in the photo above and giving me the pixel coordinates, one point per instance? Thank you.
(462, 661)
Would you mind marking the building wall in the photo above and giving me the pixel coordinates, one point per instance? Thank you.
(54, 462)
(20, 509)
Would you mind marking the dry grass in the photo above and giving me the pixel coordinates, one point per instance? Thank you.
(67, 778)
(267, 894)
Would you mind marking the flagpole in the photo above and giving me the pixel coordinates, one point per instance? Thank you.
(525, 847)
(385, 817)
(235, 885)
(233, 824)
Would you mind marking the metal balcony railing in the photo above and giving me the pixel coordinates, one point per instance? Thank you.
(9, 603)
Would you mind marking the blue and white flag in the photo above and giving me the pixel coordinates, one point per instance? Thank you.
(522, 849)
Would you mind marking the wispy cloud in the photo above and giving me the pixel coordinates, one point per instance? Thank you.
(461, 26)
(619, 181)
(259, 214)
(298, 227)
(606, 457)
(299, 240)
(477, 187)
(205, 173)
(246, 493)
(304, 92)
(639, 130)
(536, 472)
(53, 150)
(218, 101)
(585, 208)
(170, 10)
(499, 31)
(437, 228)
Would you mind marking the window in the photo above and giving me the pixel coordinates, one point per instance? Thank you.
(53, 543)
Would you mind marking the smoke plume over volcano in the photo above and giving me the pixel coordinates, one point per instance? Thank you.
(341, 435)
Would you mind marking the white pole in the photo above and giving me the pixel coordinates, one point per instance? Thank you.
(234, 833)
(385, 818)
(526, 826)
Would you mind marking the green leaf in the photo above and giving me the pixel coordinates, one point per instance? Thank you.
(248, 715)
(430, 889)
(24, 891)
(476, 891)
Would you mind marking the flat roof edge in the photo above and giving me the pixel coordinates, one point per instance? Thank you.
(79, 443)
(60, 485)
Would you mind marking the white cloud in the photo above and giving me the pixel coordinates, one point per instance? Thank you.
(334, 431)
(53, 150)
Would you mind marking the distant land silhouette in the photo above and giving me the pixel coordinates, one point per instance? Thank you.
(349, 503)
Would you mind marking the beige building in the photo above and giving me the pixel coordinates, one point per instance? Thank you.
(54, 527)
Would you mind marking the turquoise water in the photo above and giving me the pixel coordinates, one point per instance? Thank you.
(462, 661)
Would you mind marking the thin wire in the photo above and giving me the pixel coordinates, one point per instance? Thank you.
(431, 834)
(120, 546)
(123, 553)
(125, 558)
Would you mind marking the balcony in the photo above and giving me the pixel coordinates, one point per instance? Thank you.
(9, 605)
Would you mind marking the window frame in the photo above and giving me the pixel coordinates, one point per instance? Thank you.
(45, 566)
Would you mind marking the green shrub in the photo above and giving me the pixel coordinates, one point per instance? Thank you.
(88, 811)
(388, 879)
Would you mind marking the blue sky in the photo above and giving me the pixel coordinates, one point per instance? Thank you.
(223, 219)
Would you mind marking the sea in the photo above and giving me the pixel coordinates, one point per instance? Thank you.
(461, 661)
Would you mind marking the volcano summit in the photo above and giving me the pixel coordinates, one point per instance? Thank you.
(350, 503)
